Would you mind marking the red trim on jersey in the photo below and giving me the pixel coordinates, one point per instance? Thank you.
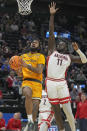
(49, 119)
(60, 100)
(65, 102)
(57, 80)
(39, 125)
(66, 72)
(48, 122)
(53, 99)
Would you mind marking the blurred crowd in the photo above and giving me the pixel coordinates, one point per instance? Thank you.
(13, 123)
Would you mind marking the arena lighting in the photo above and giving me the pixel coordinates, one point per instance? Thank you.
(55, 34)
(61, 35)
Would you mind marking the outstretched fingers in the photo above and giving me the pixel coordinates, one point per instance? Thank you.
(53, 4)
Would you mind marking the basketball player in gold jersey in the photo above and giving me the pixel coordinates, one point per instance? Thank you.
(32, 68)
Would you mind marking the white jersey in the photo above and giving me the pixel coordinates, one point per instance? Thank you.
(57, 65)
(44, 105)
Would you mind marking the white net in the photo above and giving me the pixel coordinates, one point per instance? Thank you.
(24, 6)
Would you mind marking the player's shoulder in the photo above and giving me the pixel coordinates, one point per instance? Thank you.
(40, 55)
(24, 55)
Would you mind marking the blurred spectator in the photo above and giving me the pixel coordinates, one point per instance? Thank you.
(5, 49)
(0, 35)
(81, 29)
(20, 46)
(71, 87)
(16, 86)
(79, 90)
(31, 26)
(24, 29)
(81, 113)
(1, 98)
(2, 122)
(14, 123)
(28, 42)
(1, 27)
(24, 37)
(7, 28)
(74, 104)
(46, 50)
(81, 76)
(5, 68)
(73, 75)
(77, 100)
(14, 27)
(2, 59)
(30, 37)
(73, 94)
(10, 80)
(62, 20)
(4, 71)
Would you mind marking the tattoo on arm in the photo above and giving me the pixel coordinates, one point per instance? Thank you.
(38, 69)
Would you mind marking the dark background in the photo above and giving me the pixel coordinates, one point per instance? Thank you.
(67, 7)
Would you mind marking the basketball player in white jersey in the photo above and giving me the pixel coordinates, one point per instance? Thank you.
(58, 62)
(45, 113)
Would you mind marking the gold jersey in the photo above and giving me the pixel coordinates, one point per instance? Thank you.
(33, 60)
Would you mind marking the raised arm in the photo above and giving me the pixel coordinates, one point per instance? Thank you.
(51, 41)
(78, 59)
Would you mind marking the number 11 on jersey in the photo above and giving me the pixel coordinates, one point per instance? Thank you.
(59, 62)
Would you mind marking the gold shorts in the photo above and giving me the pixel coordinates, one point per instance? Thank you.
(36, 88)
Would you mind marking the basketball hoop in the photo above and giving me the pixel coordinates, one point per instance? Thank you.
(24, 6)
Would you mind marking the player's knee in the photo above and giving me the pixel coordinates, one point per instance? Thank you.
(28, 95)
(27, 92)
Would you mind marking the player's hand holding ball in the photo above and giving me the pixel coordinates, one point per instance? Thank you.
(75, 46)
(24, 64)
(15, 62)
(53, 8)
(28, 66)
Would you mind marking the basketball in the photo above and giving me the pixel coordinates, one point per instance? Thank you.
(15, 62)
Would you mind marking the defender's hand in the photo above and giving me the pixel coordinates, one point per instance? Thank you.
(53, 8)
(75, 46)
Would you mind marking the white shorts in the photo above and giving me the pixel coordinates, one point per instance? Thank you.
(58, 92)
(46, 116)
